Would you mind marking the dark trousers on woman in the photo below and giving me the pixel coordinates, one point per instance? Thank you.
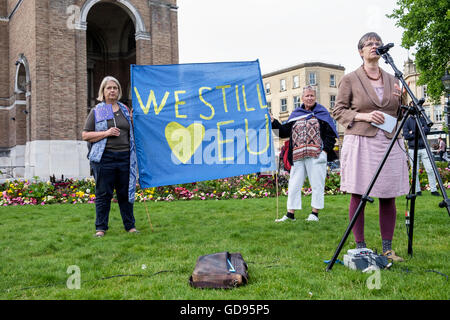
(112, 172)
(387, 218)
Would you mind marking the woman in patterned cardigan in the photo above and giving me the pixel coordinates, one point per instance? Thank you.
(312, 135)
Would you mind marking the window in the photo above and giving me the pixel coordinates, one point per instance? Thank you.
(297, 102)
(332, 101)
(283, 85)
(312, 78)
(267, 87)
(424, 91)
(269, 106)
(438, 113)
(332, 80)
(295, 82)
(283, 105)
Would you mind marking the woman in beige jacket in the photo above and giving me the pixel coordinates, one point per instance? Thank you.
(366, 98)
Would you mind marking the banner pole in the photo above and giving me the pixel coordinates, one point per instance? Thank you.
(148, 215)
(276, 183)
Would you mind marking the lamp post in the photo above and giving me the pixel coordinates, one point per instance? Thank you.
(446, 82)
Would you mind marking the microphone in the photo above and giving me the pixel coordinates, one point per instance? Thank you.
(383, 49)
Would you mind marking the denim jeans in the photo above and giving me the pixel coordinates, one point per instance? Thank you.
(422, 156)
(112, 172)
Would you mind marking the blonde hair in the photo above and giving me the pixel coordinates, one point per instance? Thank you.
(103, 85)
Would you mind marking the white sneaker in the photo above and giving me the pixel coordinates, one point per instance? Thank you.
(312, 217)
(284, 218)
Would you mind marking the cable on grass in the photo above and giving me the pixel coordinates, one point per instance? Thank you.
(100, 279)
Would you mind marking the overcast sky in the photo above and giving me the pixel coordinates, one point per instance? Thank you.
(283, 33)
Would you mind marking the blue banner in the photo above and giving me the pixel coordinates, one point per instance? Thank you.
(195, 122)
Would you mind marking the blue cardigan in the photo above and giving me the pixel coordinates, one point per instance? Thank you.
(98, 148)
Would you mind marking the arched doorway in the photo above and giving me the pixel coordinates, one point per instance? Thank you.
(111, 48)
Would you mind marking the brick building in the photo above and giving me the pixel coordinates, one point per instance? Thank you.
(53, 56)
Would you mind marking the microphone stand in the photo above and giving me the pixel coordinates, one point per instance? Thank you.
(415, 111)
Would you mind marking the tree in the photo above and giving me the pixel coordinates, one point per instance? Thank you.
(426, 25)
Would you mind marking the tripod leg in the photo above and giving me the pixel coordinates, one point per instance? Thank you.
(445, 203)
(415, 168)
(361, 206)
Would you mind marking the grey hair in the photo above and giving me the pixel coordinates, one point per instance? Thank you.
(309, 88)
(103, 85)
(367, 36)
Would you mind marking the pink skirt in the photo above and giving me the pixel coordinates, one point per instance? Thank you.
(360, 158)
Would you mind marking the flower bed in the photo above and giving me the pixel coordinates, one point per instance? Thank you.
(22, 192)
(25, 192)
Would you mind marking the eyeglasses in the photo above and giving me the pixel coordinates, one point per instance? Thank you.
(371, 44)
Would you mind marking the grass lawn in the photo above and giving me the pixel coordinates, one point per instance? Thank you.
(286, 261)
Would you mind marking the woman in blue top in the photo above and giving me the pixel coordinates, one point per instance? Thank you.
(113, 155)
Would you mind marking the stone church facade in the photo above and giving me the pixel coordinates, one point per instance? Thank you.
(53, 56)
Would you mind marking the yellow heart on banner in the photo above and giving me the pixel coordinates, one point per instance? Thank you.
(184, 141)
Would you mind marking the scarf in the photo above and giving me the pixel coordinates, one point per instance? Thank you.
(318, 111)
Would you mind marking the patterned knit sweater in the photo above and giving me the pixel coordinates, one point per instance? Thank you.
(306, 139)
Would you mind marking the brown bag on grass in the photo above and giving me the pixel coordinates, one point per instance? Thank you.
(219, 270)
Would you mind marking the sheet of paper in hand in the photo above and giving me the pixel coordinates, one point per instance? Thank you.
(388, 124)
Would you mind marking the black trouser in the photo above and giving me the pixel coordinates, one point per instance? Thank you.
(112, 172)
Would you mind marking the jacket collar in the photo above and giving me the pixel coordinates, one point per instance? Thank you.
(388, 87)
